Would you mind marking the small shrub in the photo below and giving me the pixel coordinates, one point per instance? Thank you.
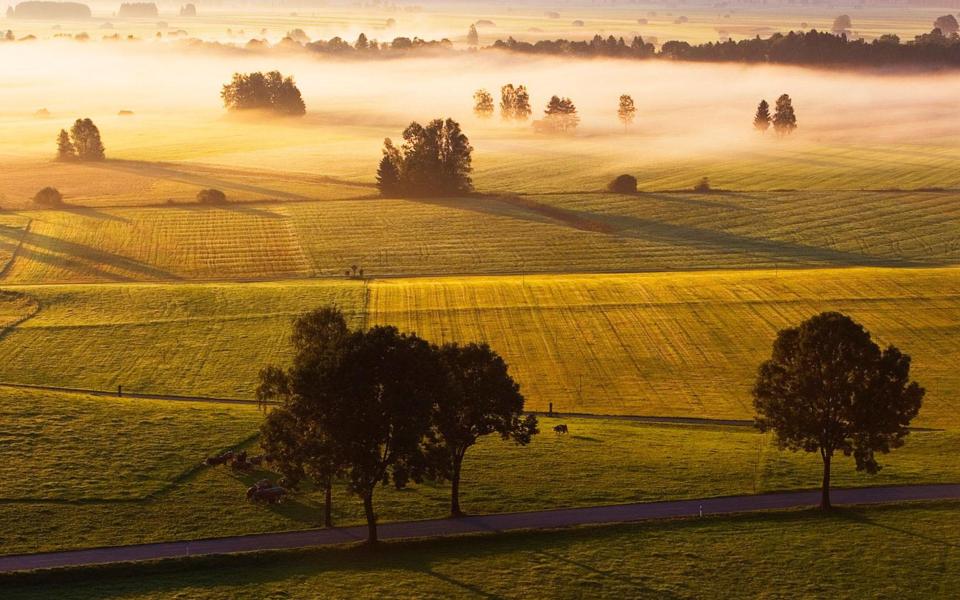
(211, 196)
(48, 196)
(623, 184)
(703, 187)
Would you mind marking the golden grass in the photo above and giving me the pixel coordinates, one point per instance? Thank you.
(680, 344)
(543, 233)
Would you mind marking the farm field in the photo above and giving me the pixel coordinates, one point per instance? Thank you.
(575, 232)
(799, 552)
(658, 344)
(106, 471)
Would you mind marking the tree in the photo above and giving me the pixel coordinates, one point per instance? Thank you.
(560, 115)
(265, 91)
(947, 24)
(388, 173)
(377, 403)
(829, 388)
(86, 140)
(211, 196)
(623, 184)
(514, 103)
(761, 121)
(483, 104)
(841, 24)
(784, 119)
(48, 196)
(293, 433)
(65, 148)
(627, 111)
(362, 43)
(483, 400)
(473, 38)
(433, 161)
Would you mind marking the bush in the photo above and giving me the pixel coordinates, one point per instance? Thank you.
(623, 184)
(48, 196)
(703, 187)
(211, 196)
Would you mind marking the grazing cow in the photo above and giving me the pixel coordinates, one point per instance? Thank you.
(561, 429)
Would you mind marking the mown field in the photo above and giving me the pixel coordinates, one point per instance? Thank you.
(102, 471)
(906, 551)
(572, 232)
(661, 344)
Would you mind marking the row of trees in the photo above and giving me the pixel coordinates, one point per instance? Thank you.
(432, 161)
(369, 408)
(263, 91)
(784, 119)
(82, 143)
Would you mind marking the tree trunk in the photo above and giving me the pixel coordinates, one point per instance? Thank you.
(371, 518)
(455, 486)
(328, 504)
(825, 490)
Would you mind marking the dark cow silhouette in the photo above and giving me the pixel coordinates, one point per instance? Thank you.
(561, 429)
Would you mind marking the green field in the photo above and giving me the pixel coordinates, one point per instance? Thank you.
(106, 471)
(528, 234)
(904, 551)
(677, 344)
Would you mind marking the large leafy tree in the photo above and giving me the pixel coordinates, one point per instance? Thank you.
(86, 140)
(784, 119)
(378, 401)
(294, 432)
(483, 104)
(828, 388)
(484, 400)
(560, 115)
(65, 148)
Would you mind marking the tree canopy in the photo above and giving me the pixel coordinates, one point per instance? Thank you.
(85, 138)
(761, 121)
(626, 111)
(784, 119)
(828, 388)
(483, 104)
(514, 103)
(433, 161)
(560, 116)
(264, 91)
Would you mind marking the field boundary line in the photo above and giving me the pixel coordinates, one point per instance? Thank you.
(480, 524)
(134, 395)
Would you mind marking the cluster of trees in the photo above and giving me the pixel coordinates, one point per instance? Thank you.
(784, 119)
(560, 116)
(432, 161)
(82, 143)
(369, 408)
(940, 46)
(264, 91)
(367, 47)
(514, 103)
(828, 388)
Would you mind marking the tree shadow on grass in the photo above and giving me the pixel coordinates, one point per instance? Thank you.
(857, 516)
(82, 259)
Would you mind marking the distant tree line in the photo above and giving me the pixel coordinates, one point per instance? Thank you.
(138, 10)
(434, 160)
(49, 10)
(264, 91)
(940, 46)
(373, 407)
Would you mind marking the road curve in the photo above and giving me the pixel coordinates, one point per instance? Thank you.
(495, 523)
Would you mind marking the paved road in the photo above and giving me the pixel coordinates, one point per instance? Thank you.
(544, 519)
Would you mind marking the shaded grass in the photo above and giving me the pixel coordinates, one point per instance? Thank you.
(103, 471)
(906, 551)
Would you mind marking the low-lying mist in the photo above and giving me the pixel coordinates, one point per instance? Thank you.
(683, 109)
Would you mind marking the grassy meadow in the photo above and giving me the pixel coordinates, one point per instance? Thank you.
(106, 471)
(659, 344)
(547, 233)
(906, 551)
